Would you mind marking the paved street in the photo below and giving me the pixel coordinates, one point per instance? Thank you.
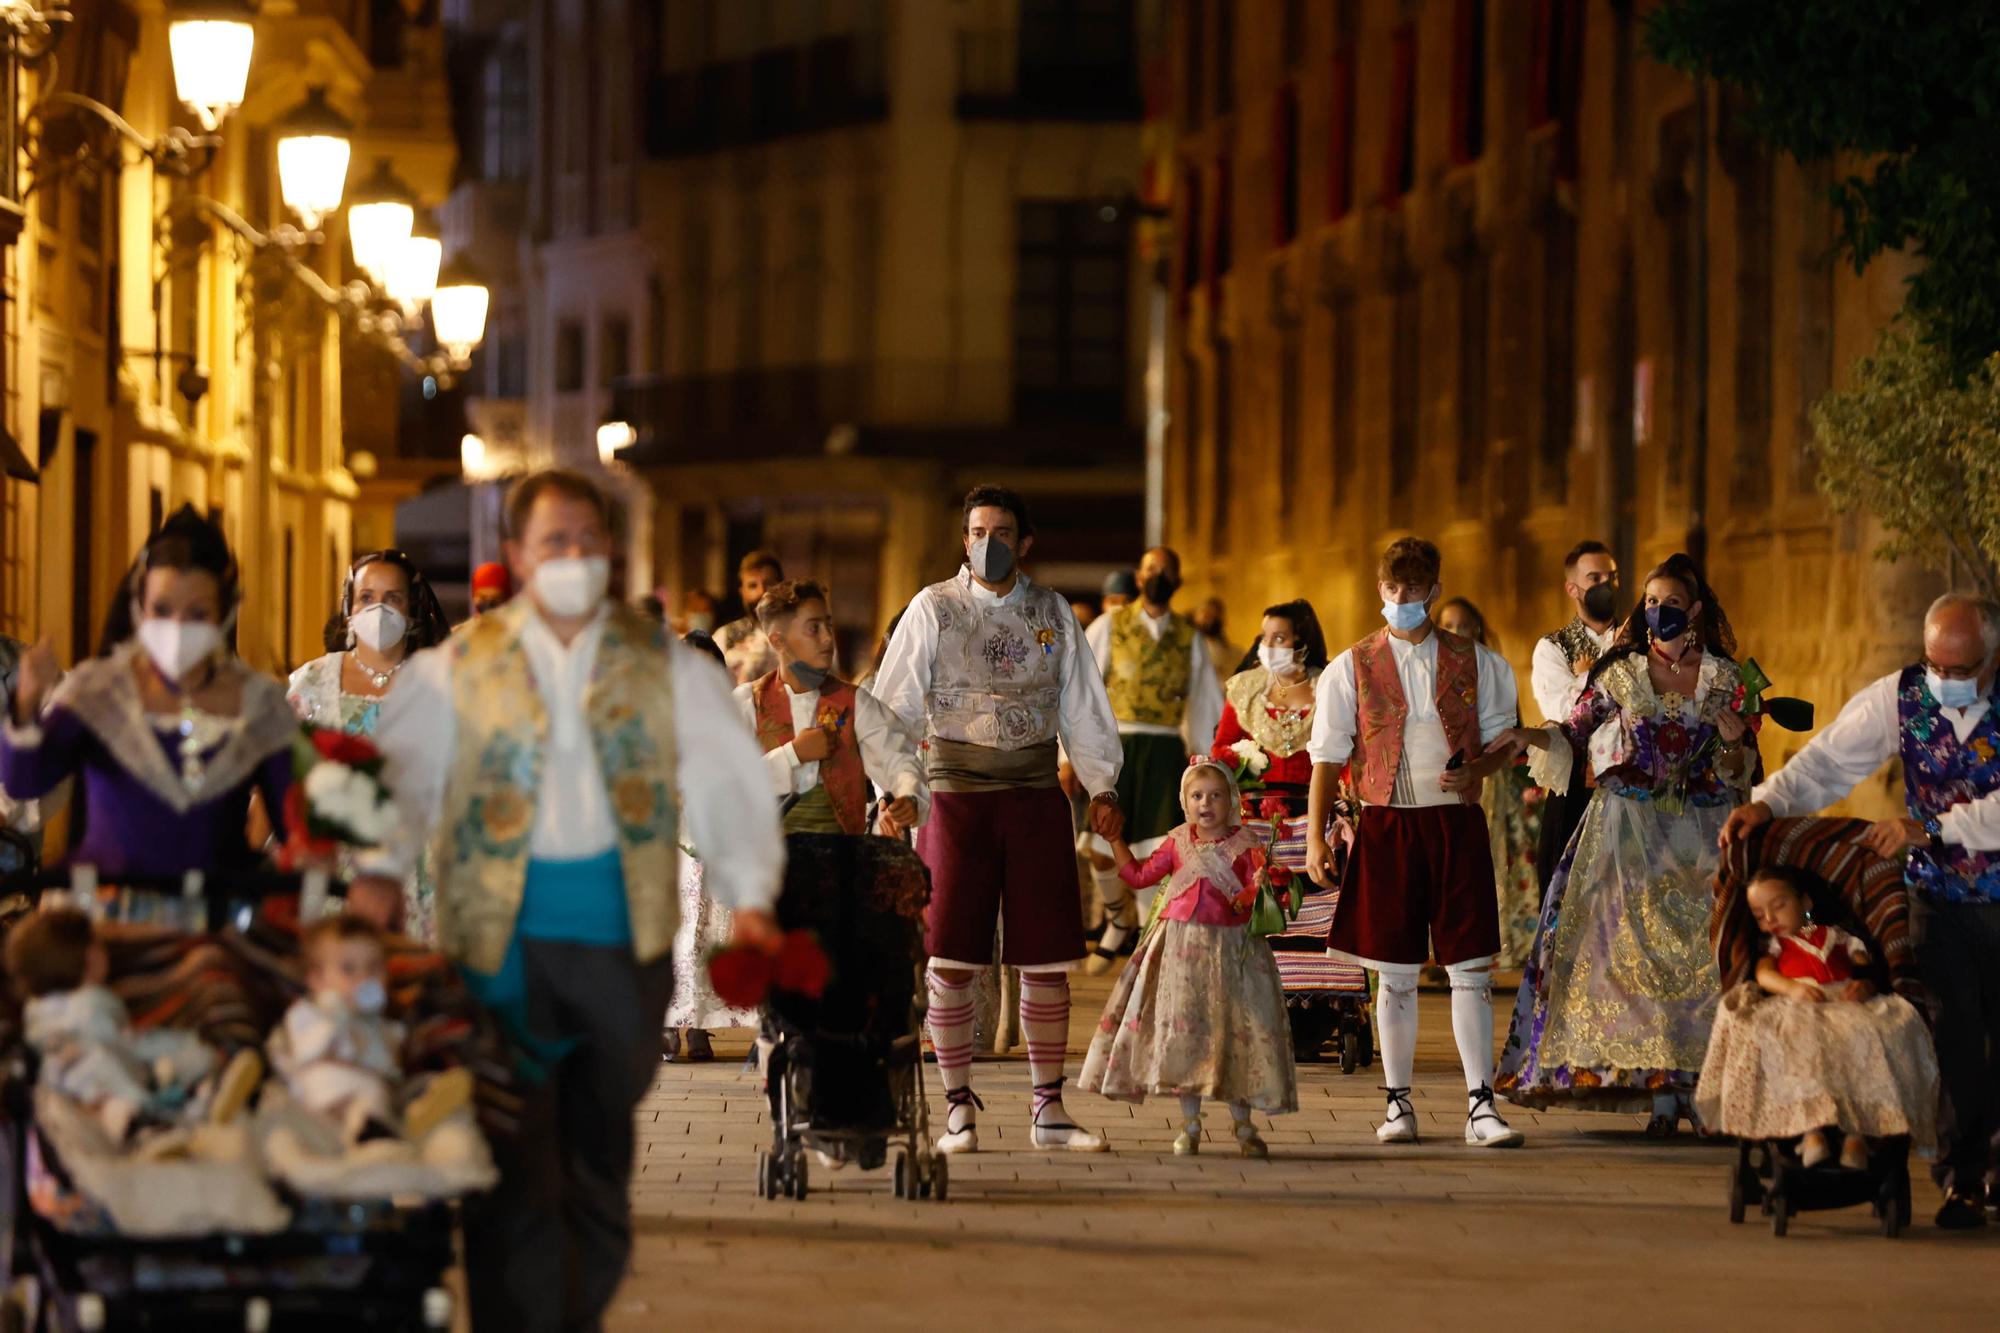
(1590, 1223)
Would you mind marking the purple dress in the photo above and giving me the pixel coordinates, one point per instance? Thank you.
(143, 818)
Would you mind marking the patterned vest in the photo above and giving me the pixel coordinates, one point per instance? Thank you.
(1573, 640)
(1148, 678)
(841, 772)
(1940, 772)
(997, 680)
(1378, 747)
(488, 816)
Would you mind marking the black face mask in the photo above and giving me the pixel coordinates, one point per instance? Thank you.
(1160, 589)
(1600, 602)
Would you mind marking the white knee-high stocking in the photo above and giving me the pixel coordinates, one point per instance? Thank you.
(1396, 1024)
(1472, 1023)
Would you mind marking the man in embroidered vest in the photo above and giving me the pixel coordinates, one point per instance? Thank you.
(1561, 668)
(554, 749)
(823, 739)
(1410, 710)
(1941, 716)
(993, 667)
(1168, 702)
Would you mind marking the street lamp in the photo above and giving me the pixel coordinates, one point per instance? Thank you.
(379, 220)
(413, 272)
(472, 457)
(613, 436)
(211, 42)
(458, 310)
(313, 149)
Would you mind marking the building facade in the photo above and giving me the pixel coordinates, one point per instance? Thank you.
(153, 356)
(831, 262)
(1481, 271)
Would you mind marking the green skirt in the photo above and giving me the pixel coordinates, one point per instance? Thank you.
(1149, 785)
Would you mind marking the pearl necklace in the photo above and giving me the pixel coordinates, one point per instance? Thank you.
(379, 679)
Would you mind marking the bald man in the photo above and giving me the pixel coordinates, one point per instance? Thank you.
(1939, 716)
(1168, 701)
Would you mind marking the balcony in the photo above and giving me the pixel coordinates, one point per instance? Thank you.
(827, 84)
(1076, 71)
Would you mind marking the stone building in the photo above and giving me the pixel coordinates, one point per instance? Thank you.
(155, 355)
(830, 262)
(1482, 271)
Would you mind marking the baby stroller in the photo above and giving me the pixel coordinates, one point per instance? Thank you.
(1865, 895)
(1326, 998)
(845, 1074)
(379, 1264)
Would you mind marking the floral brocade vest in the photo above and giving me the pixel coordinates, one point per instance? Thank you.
(997, 677)
(841, 772)
(1939, 772)
(482, 843)
(1148, 678)
(1378, 745)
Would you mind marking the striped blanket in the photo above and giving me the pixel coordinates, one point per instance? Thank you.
(1304, 968)
(1871, 894)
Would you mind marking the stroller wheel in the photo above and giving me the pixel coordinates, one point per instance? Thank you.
(767, 1176)
(940, 1177)
(1738, 1200)
(1350, 1051)
(902, 1175)
(798, 1173)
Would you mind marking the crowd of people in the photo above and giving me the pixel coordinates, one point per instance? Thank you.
(590, 799)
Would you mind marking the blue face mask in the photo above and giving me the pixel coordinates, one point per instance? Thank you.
(1952, 693)
(1666, 622)
(1405, 616)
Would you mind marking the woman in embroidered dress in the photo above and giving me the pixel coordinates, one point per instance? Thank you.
(1199, 1012)
(1513, 818)
(166, 730)
(1267, 705)
(387, 611)
(1621, 988)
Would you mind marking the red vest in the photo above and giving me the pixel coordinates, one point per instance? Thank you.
(1378, 744)
(841, 772)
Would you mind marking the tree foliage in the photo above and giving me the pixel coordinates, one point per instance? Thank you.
(1918, 447)
(1909, 87)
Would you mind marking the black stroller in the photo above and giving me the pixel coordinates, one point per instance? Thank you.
(336, 1265)
(845, 1073)
(1864, 895)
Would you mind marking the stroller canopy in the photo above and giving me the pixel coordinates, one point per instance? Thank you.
(1870, 888)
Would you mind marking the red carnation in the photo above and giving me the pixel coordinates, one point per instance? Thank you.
(341, 748)
(1281, 876)
(1272, 808)
(740, 976)
(801, 966)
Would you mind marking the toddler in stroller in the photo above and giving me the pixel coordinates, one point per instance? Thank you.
(338, 1053)
(129, 1081)
(1811, 1034)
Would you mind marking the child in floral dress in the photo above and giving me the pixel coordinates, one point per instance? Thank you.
(1199, 1012)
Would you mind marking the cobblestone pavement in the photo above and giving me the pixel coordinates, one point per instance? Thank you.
(1590, 1224)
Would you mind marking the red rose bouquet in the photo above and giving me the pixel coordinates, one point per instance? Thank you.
(337, 798)
(744, 975)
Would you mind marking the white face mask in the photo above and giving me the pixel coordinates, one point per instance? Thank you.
(178, 646)
(1279, 661)
(572, 586)
(380, 626)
